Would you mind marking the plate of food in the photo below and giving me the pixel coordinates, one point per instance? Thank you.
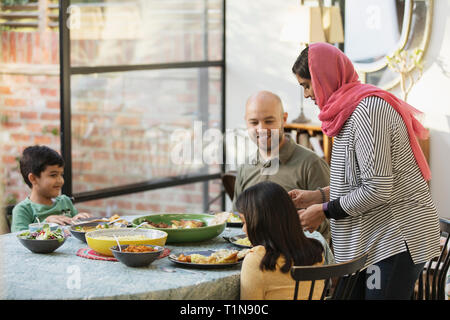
(209, 259)
(240, 241)
(234, 220)
(115, 218)
(79, 230)
(183, 227)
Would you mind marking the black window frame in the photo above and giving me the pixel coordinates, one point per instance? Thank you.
(66, 71)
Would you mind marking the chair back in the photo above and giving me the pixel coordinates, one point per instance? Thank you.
(228, 181)
(431, 284)
(346, 274)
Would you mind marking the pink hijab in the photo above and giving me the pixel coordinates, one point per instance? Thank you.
(338, 91)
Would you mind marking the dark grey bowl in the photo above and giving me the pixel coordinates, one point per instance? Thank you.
(80, 235)
(136, 259)
(41, 246)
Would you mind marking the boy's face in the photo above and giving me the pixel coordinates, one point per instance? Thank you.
(50, 182)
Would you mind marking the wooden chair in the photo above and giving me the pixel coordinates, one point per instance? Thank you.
(346, 274)
(431, 284)
(228, 180)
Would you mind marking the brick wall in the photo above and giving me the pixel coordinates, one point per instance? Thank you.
(118, 121)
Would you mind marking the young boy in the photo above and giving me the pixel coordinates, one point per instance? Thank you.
(42, 169)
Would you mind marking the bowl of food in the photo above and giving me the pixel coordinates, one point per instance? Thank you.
(136, 255)
(33, 227)
(79, 230)
(101, 241)
(42, 240)
(183, 227)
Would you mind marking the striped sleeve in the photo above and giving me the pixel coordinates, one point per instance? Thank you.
(371, 154)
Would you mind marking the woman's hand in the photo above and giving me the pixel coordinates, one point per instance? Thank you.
(59, 219)
(312, 217)
(81, 215)
(305, 198)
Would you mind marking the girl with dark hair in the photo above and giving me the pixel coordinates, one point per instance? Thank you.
(378, 200)
(272, 225)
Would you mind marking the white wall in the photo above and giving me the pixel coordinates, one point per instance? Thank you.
(258, 60)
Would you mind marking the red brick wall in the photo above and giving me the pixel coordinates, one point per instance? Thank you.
(29, 113)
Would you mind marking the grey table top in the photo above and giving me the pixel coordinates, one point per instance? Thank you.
(64, 275)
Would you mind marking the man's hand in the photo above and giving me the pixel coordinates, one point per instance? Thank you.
(59, 219)
(305, 198)
(312, 217)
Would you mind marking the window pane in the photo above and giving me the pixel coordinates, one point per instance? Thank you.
(181, 199)
(123, 125)
(145, 31)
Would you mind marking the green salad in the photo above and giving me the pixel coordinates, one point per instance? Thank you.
(44, 234)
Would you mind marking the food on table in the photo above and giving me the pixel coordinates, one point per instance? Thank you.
(44, 234)
(220, 256)
(243, 241)
(116, 216)
(124, 238)
(220, 218)
(242, 253)
(178, 224)
(132, 248)
(97, 227)
(234, 218)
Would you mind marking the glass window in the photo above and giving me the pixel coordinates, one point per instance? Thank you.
(145, 31)
(146, 82)
(133, 126)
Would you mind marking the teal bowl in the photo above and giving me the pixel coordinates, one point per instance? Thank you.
(184, 234)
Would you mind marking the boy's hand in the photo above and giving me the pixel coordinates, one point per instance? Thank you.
(81, 215)
(59, 219)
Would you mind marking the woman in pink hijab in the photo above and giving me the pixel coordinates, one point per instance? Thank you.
(378, 200)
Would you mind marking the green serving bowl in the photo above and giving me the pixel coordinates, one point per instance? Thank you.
(186, 234)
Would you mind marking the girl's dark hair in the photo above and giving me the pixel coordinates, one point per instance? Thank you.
(272, 221)
(301, 66)
(35, 159)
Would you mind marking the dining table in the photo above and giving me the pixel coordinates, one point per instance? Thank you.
(64, 275)
(67, 275)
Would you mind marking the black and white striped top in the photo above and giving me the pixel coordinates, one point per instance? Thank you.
(379, 185)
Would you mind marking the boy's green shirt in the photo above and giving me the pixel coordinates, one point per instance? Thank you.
(27, 212)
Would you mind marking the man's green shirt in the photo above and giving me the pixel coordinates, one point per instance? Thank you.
(298, 168)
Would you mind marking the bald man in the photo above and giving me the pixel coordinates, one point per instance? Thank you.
(297, 167)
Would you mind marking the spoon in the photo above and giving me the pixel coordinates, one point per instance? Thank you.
(118, 243)
(145, 222)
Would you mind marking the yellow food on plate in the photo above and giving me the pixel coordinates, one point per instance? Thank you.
(220, 256)
(244, 242)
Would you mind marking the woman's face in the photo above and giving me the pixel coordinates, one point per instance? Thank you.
(307, 86)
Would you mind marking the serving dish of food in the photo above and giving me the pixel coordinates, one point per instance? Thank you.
(79, 230)
(42, 240)
(208, 259)
(240, 241)
(102, 240)
(183, 227)
(136, 255)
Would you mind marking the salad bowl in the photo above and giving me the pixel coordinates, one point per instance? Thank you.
(43, 240)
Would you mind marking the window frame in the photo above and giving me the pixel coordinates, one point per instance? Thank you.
(66, 71)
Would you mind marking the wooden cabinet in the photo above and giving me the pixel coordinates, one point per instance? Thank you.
(299, 131)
